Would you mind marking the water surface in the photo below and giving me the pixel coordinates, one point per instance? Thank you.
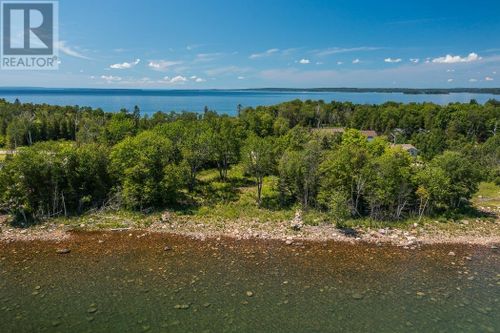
(222, 101)
(121, 282)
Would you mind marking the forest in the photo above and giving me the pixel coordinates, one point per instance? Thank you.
(66, 161)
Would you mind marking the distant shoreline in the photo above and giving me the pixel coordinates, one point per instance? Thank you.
(406, 91)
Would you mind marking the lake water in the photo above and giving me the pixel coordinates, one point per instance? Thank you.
(121, 282)
(219, 100)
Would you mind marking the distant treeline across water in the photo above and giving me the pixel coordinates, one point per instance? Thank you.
(227, 101)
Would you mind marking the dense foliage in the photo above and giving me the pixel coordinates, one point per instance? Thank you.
(68, 160)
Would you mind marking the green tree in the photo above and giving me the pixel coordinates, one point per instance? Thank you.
(433, 188)
(258, 160)
(389, 187)
(54, 178)
(145, 170)
(225, 143)
(343, 172)
(299, 172)
(463, 177)
(195, 144)
(121, 125)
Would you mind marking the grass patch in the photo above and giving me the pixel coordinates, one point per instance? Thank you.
(488, 195)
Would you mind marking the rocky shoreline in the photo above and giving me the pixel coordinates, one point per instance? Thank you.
(291, 233)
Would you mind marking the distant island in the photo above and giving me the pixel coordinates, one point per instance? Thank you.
(124, 91)
(409, 91)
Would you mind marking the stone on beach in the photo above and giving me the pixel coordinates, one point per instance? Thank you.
(297, 223)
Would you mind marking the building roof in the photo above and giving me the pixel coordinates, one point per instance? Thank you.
(369, 133)
(404, 146)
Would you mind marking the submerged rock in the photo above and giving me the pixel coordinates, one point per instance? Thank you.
(357, 296)
(63, 251)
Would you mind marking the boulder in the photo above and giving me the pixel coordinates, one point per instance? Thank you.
(166, 217)
(297, 222)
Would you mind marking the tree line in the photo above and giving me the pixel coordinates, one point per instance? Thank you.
(70, 160)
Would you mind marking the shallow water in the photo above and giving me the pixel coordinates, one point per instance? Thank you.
(121, 282)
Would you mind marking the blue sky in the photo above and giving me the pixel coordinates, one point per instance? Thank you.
(245, 44)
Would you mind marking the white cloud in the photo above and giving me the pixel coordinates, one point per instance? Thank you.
(241, 77)
(162, 65)
(450, 80)
(393, 60)
(450, 59)
(488, 78)
(356, 61)
(197, 79)
(263, 54)
(472, 80)
(64, 48)
(125, 65)
(340, 63)
(415, 60)
(304, 61)
(178, 79)
(111, 78)
(450, 70)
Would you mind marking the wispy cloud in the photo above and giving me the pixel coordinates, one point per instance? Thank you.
(226, 70)
(111, 78)
(193, 46)
(488, 78)
(393, 60)
(162, 65)
(125, 65)
(207, 57)
(70, 51)
(263, 54)
(415, 60)
(337, 50)
(450, 59)
(304, 61)
(356, 61)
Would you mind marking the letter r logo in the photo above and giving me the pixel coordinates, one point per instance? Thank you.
(27, 28)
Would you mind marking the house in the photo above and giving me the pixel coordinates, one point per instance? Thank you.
(407, 147)
(370, 135)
